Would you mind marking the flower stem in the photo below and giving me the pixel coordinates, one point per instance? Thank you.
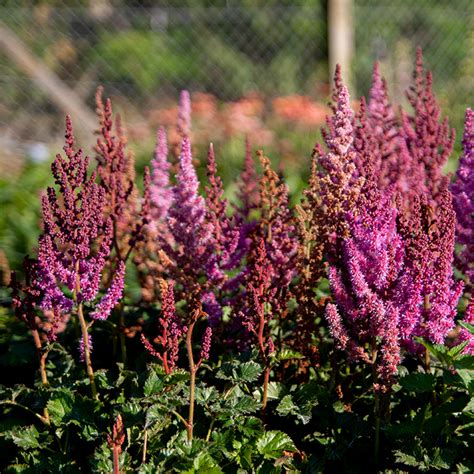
(42, 355)
(145, 445)
(116, 460)
(192, 383)
(266, 379)
(87, 351)
(85, 335)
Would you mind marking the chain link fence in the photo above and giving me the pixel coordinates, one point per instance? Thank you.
(145, 52)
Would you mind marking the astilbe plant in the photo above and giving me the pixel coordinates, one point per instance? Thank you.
(463, 201)
(75, 245)
(377, 218)
(429, 140)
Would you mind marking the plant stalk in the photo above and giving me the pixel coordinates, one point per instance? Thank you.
(116, 459)
(145, 445)
(266, 379)
(192, 383)
(85, 336)
(42, 355)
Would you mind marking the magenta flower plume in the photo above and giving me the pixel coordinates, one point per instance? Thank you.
(82, 347)
(338, 184)
(170, 330)
(260, 293)
(430, 141)
(384, 129)
(193, 249)
(160, 189)
(74, 225)
(429, 236)
(463, 201)
(184, 114)
(367, 284)
(112, 296)
(247, 192)
(226, 231)
(206, 344)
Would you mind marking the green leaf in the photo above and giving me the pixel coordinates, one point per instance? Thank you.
(60, 405)
(406, 459)
(248, 372)
(25, 437)
(205, 395)
(467, 377)
(287, 354)
(272, 444)
(469, 327)
(153, 384)
(418, 382)
(288, 407)
(455, 351)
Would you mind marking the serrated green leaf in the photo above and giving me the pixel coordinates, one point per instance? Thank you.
(406, 459)
(288, 407)
(249, 426)
(275, 391)
(25, 437)
(60, 405)
(467, 377)
(206, 395)
(287, 354)
(468, 326)
(455, 351)
(153, 384)
(272, 444)
(248, 372)
(418, 382)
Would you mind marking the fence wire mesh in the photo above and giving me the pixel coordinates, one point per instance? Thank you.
(145, 53)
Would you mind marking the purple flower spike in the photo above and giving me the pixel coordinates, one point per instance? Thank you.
(160, 191)
(82, 347)
(206, 344)
(184, 114)
(368, 285)
(113, 295)
(463, 201)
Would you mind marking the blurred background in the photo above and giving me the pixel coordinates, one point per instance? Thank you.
(256, 68)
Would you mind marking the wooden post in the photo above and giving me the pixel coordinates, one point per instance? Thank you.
(340, 38)
(59, 93)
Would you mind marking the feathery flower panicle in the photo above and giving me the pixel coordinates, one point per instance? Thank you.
(260, 297)
(112, 296)
(184, 115)
(366, 284)
(160, 189)
(429, 141)
(27, 297)
(337, 185)
(193, 250)
(248, 197)
(76, 241)
(463, 202)
(429, 235)
(116, 170)
(206, 344)
(277, 228)
(226, 231)
(248, 194)
(384, 129)
(114, 166)
(333, 105)
(170, 330)
(82, 347)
